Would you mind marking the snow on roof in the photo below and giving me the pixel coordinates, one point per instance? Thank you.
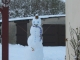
(51, 16)
(30, 18)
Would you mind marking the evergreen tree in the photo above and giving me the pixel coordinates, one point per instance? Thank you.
(20, 8)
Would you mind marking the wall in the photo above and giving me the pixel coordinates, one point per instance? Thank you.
(72, 17)
(12, 32)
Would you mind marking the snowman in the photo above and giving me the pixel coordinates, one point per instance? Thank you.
(35, 40)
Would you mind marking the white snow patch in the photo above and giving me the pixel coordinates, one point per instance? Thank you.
(19, 52)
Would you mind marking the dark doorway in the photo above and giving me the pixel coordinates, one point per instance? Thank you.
(21, 32)
(53, 35)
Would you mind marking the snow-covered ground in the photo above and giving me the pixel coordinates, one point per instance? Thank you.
(18, 52)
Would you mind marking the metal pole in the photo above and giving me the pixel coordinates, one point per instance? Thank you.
(5, 32)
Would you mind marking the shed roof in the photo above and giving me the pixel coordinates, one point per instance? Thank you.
(30, 18)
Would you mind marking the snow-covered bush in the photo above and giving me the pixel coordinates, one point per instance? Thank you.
(75, 42)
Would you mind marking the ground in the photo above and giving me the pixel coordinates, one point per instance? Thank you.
(19, 52)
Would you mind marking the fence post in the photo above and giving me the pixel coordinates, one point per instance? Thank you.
(5, 32)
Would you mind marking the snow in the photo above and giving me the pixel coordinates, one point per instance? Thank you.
(30, 18)
(19, 52)
(64, 0)
(0, 1)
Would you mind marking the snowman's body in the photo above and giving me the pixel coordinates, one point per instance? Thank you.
(35, 41)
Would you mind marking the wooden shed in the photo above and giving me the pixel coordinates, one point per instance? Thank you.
(53, 30)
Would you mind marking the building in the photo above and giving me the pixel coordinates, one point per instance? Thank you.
(73, 21)
(53, 30)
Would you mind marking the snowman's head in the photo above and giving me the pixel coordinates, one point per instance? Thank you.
(36, 21)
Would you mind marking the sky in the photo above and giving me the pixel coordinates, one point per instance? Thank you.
(64, 0)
